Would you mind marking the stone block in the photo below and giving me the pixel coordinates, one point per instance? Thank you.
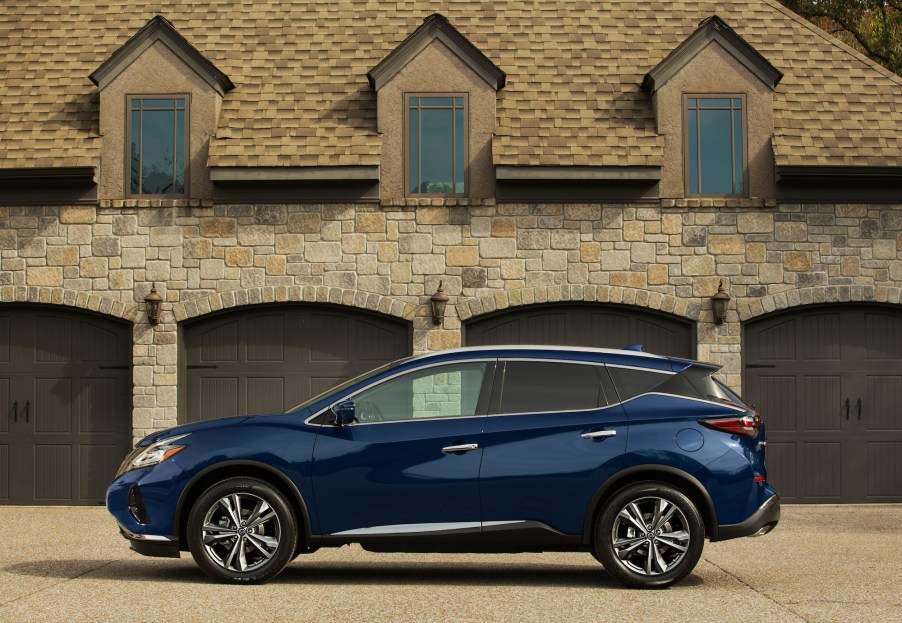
(671, 223)
(370, 222)
(125, 225)
(726, 244)
(275, 265)
(197, 248)
(657, 274)
(504, 227)
(698, 265)
(165, 236)
(78, 214)
(791, 231)
(429, 265)
(256, 235)
(62, 256)
(590, 252)
(287, 244)
(239, 256)
(629, 280)
(252, 277)
(474, 278)
(884, 249)
(158, 270)
(8, 239)
(642, 252)
(415, 243)
(345, 279)
(615, 260)
(401, 272)
(695, 236)
(105, 246)
(462, 256)
(633, 231)
(79, 234)
(565, 239)
(45, 276)
(770, 273)
(554, 260)
(534, 239)
(304, 223)
(432, 215)
(755, 252)
(217, 227)
(580, 212)
(121, 280)
(94, 267)
(32, 247)
(850, 266)
(353, 243)
(270, 215)
(797, 261)
(322, 252)
(387, 252)
(492, 248)
(513, 269)
(446, 235)
(755, 223)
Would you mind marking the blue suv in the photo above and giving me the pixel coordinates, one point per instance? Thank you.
(633, 457)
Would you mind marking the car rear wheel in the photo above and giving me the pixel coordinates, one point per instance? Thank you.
(649, 535)
(242, 530)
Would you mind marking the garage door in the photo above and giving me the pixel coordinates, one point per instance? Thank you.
(604, 326)
(268, 359)
(828, 381)
(65, 387)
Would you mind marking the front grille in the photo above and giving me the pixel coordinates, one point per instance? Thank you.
(136, 505)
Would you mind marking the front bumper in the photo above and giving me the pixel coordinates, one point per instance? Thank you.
(759, 523)
(151, 544)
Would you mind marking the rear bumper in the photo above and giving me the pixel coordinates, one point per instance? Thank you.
(759, 523)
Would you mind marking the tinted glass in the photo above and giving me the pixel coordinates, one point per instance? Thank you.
(442, 391)
(539, 386)
(157, 163)
(631, 382)
(714, 128)
(436, 149)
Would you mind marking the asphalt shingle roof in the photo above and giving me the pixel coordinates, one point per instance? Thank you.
(574, 69)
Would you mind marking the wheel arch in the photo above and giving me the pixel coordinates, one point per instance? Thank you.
(232, 469)
(685, 482)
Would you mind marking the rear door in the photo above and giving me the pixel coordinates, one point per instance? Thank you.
(552, 438)
(409, 465)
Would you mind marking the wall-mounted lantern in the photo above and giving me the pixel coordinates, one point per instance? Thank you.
(439, 301)
(152, 304)
(719, 302)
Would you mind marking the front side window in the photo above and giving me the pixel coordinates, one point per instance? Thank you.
(439, 392)
(158, 142)
(715, 145)
(436, 144)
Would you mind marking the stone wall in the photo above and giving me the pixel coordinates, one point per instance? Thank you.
(390, 258)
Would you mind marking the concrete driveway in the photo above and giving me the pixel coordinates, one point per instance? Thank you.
(823, 563)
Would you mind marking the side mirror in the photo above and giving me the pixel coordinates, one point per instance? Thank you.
(343, 412)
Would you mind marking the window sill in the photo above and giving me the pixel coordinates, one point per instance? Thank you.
(155, 203)
(438, 201)
(719, 202)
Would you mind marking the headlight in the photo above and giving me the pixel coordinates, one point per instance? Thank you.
(154, 453)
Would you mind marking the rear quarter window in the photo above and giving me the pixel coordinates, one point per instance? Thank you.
(543, 386)
(632, 382)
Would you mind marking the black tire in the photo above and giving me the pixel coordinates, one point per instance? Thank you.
(651, 558)
(255, 550)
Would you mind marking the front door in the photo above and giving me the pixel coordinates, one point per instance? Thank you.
(409, 464)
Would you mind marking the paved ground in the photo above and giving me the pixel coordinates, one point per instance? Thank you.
(823, 563)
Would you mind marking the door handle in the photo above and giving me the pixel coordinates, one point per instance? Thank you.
(597, 434)
(15, 411)
(463, 447)
(859, 409)
(28, 408)
(847, 409)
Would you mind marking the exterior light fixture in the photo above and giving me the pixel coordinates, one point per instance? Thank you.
(439, 301)
(152, 304)
(719, 302)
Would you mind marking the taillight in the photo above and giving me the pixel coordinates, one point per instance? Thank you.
(746, 424)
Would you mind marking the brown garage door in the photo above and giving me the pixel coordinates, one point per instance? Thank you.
(66, 395)
(267, 359)
(604, 326)
(828, 381)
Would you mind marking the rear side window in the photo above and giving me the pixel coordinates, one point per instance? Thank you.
(631, 382)
(543, 386)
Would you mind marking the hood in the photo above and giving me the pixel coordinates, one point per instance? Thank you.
(191, 428)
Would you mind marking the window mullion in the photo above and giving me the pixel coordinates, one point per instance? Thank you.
(732, 148)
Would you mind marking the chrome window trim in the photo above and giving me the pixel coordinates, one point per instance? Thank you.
(628, 367)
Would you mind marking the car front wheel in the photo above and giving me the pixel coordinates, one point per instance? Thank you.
(649, 535)
(242, 530)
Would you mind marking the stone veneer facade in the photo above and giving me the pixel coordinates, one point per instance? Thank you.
(666, 256)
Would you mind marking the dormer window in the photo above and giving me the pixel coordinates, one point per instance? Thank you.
(158, 142)
(436, 144)
(715, 140)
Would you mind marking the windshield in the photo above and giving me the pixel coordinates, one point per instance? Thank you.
(346, 384)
